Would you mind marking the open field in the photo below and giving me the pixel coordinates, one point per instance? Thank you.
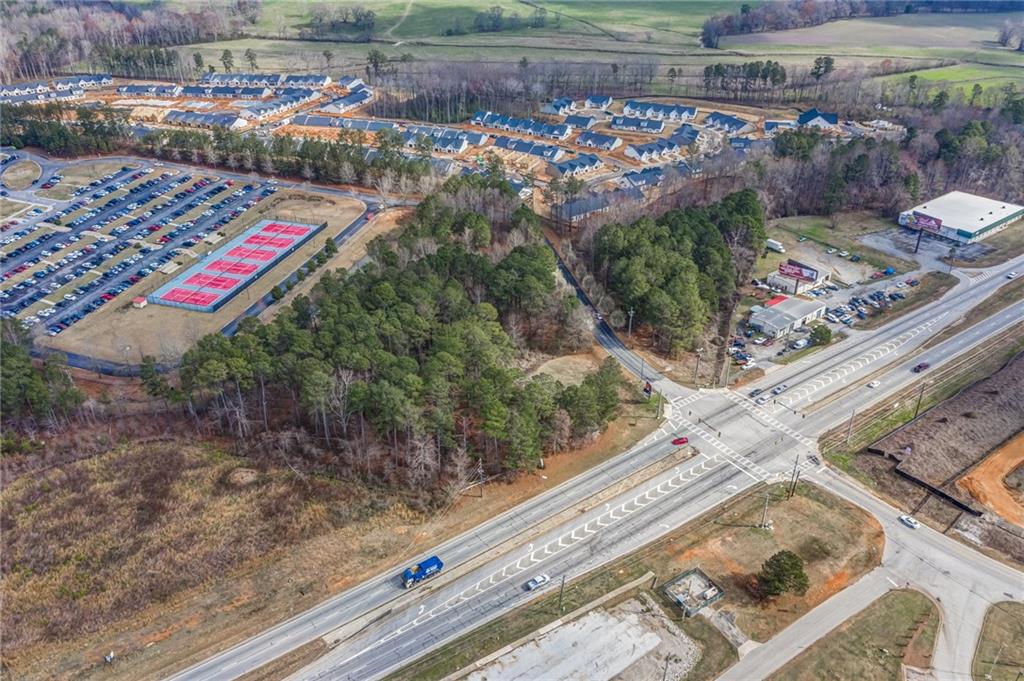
(838, 542)
(179, 329)
(899, 628)
(342, 542)
(903, 31)
(1002, 636)
(21, 175)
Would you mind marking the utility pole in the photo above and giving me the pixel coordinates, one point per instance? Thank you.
(764, 514)
(629, 333)
(920, 394)
(561, 596)
(696, 369)
(664, 675)
(849, 430)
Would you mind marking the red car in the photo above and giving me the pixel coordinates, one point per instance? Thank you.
(680, 441)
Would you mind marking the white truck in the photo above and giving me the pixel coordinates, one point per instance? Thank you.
(774, 245)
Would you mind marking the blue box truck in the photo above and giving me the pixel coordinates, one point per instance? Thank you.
(424, 570)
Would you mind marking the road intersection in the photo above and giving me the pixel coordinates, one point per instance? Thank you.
(741, 444)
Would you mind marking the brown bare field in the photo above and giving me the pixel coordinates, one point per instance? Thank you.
(350, 253)
(943, 444)
(570, 369)
(121, 333)
(327, 536)
(987, 481)
(22, 174)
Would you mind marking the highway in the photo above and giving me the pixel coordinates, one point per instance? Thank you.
(740, 445)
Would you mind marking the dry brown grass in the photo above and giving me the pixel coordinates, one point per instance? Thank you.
(91, 542)
(22, 174)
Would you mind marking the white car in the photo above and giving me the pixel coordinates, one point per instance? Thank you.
(843, 254)
(910, 522)
(1011, 275)
(763, 399)
(874, 384)
(537, 582)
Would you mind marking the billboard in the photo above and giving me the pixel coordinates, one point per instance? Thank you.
(792, 268)
(927, 222)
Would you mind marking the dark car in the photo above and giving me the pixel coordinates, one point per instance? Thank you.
(756, 391)
(920, 367)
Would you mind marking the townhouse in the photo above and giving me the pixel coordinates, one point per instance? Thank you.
(600, 102)
(580, 122)
(727, 123)
(632, 124)
(578, 165)
(657, 111)
(652, 152)
(596, 140)
(812, 118)
(562, 106)
(546, 151)
(205, 120)
(523, 126)
(243, 79)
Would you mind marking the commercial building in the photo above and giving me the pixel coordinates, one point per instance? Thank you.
(782, 315)
(962, 217)
(795, 277)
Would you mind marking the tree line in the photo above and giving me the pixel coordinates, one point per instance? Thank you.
(407, 367)
(781, 16)
(34, 396)
(102, 129)
(677, 272)
(47, 38)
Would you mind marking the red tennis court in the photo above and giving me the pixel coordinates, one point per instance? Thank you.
(231, 267)
(287, 230)
(180, 295)
(274, 241)
(244, 253)
(204, 280)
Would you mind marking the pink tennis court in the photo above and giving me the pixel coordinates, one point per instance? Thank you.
(225, 272)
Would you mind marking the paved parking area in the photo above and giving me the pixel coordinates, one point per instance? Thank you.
(66, 260)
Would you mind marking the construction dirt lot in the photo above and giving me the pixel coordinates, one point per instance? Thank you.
(167, 332)
(962, 466)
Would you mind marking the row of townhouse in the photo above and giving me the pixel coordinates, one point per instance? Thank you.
(578, 165)
(546, 151)
(441, 166)
(564, 106)
(151, 90)
(278, 105)
(523, 126)
(193, 119)
(652, 152)
(596, 140)
(364, 124)
(42, 97)
(658, 112)
(592, 204)
(225, 92)
(633, 124)
(727, 123)
(68, 83)
(357, 96)
(445, 140)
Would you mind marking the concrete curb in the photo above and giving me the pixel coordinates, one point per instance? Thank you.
(549, 626)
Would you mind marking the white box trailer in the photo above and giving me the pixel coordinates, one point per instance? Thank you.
(774, 245)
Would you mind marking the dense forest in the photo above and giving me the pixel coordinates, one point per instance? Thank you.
(407, 368)
(678, 272)
(788, 14)
(44, 37)
(45, 393)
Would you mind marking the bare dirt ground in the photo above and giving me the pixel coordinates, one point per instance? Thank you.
(361, 533)
(987, 481)
(121, 333)
(570, 369)
(943, 444)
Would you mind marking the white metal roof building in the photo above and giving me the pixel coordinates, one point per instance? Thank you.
(962, 217)
(782, 315)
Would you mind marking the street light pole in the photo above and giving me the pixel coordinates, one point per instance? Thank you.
(629, 333)
(696, 369)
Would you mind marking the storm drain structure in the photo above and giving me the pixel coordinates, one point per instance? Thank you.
(224, 273)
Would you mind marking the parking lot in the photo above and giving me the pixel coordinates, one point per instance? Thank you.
(64, 261)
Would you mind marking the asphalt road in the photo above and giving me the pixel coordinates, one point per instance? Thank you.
(741, 445)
